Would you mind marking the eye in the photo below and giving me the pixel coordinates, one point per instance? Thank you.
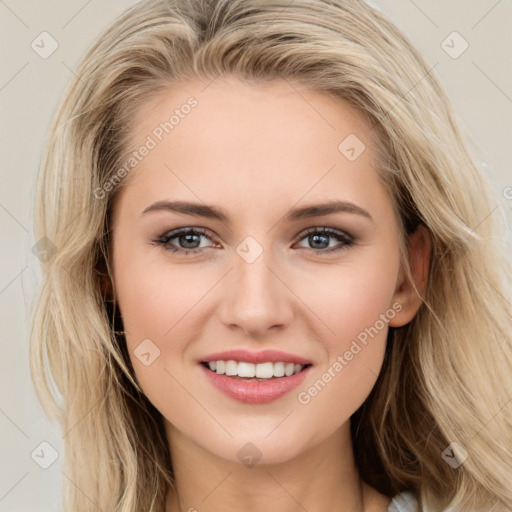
(319, 239)
(188, 240)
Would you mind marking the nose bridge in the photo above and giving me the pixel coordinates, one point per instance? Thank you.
(254, 299)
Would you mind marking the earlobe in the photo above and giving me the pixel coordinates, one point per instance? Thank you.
(419, 250)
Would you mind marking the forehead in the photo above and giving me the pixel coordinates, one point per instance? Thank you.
(273, 141)
(227, 102)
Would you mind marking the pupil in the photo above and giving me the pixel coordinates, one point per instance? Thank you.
(315, 239)
(188, 240)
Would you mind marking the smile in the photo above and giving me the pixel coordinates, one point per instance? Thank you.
(253, 390)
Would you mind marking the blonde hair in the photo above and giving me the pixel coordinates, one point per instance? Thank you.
(446, 375)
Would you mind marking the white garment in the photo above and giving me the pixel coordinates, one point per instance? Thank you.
(406, 502)
(403, 502)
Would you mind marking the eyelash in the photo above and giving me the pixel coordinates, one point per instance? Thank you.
(163, 240)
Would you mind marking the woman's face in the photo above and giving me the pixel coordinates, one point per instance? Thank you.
(247, 164)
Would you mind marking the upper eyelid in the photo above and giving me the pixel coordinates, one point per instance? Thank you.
(175, 232)
(325, 229)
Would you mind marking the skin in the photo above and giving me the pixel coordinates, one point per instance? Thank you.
(259, 151)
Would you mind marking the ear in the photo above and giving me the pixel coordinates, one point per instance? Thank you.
(419, 250)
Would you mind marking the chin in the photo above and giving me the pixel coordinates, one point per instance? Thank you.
(250, 450)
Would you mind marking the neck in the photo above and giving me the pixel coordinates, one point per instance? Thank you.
(319, 479)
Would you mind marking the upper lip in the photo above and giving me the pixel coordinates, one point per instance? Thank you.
(262, 356)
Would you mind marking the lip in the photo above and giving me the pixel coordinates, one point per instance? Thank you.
(263, 356)
(255, 392)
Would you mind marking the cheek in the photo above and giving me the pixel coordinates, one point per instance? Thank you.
(362, 296)
(158, 303)
(352, 298)
(155, 298)
(357, 307)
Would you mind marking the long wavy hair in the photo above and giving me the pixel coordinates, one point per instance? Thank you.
(446, 376)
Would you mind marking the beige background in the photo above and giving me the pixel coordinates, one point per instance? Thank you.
(479, 83)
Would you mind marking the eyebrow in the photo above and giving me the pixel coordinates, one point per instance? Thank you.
(217, 213)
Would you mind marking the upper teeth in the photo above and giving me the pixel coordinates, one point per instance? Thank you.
(261, 370)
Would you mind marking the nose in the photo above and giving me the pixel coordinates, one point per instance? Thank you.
(255, 298)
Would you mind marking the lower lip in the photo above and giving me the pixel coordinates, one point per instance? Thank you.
(255, 392)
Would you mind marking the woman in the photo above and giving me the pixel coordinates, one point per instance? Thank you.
(208, 352)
